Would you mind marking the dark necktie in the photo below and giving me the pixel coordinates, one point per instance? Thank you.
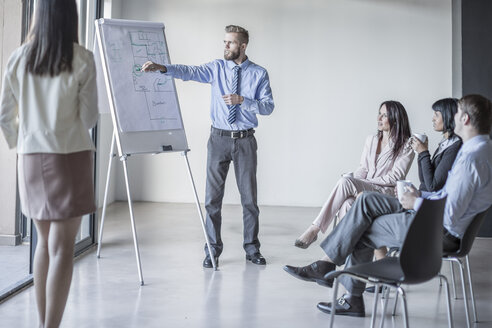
(235, 90)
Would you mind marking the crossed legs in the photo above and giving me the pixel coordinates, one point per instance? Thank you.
(53, 267)
(375, 220)
(339, 201)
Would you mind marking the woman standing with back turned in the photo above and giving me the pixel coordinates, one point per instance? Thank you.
(48, 104)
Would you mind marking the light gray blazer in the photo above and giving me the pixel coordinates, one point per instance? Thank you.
(384, 171)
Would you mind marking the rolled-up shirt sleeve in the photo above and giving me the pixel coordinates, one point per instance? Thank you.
(263, 102)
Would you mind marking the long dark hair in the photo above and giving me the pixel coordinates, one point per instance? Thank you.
(51, 38)
(399, 125)
(448, 108)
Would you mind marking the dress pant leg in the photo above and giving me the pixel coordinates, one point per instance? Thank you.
(347, 204)
(245, 162)
(345, 188)
(387, 230)
(218, 160)
(341, 242)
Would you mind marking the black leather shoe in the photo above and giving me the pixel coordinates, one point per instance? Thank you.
(346, 305)
(207, 262)
(256, 258)
(314, 272)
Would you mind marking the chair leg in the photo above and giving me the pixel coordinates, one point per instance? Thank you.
(472, 295)
(333, 302)
(394, 306)
(386, 291)
(404, 305)
(375, 305)
(463, 287)
(452, 279)
(448, 300)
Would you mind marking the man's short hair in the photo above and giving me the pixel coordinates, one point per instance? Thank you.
(242, 32)
(479, 109)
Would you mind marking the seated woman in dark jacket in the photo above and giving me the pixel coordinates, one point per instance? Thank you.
(433, 171)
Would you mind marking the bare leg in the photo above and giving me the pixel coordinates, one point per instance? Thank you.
(61, 248)
(41, 264)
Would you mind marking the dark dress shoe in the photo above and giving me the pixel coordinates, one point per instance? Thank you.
(256, 258)
(314, 272)
(346, 305)
(207, 262)
(372, 288)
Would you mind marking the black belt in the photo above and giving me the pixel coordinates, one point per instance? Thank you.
(234, 134)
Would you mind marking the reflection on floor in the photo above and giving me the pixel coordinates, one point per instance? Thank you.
(14, 265)
(178, 292)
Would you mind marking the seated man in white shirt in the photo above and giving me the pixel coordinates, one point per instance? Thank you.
(378, 220)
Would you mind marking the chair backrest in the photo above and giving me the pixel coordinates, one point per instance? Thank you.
(421, 253)
(470, 234)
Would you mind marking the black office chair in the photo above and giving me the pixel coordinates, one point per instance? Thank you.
(465, 248)
(419, 261)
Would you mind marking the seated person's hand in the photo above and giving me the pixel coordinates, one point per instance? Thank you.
(407, 200)
(418, 145)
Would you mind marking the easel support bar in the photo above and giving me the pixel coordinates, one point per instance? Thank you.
(202, 220)
(105, 202)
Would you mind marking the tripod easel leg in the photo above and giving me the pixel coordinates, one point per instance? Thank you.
(202, 220)
(132, 219)
(105, 202)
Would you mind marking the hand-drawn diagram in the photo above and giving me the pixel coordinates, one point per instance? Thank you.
(142, 101)
(150, 46)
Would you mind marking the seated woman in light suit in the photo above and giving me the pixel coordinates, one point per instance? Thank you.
(386, 158)
(433, 171)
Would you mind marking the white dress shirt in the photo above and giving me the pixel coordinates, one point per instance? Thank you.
(468, 187)
(44, 114)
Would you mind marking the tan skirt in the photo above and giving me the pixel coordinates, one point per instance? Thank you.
(56, 186)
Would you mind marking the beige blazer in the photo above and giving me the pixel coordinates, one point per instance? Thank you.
(44, 114)
(383, 170)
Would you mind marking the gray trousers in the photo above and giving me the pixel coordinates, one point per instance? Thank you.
(242, 152)
(375, 220)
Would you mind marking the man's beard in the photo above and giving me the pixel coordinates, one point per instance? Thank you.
(232, 55)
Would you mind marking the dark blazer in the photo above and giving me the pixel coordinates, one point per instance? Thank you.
(434, 172)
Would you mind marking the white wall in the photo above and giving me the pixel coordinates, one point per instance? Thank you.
(331, 63)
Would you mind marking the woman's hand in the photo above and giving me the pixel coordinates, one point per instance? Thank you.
(418, 145)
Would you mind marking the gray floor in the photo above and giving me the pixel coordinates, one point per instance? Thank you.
(178, 292)
(14, 265)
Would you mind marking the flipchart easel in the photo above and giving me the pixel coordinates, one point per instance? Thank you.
(124, 144)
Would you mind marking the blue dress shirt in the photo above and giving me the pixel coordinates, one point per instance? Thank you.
(468, 186)
(254, 88)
